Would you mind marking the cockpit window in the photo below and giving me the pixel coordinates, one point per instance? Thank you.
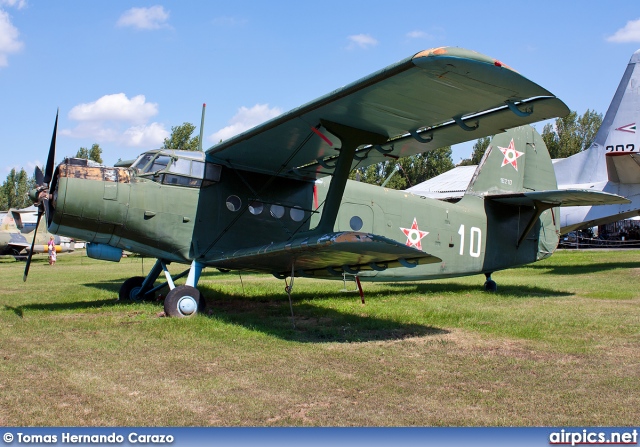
(142, 162)
(180, 166)
(160, 162)
(178, 169)
(197, 169)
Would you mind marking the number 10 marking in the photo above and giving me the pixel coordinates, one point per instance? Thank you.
(475, 241)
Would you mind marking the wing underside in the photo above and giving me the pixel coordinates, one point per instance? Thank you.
(436, 98)
(336, 253)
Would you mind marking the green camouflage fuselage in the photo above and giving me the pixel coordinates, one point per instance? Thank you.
(143, 213)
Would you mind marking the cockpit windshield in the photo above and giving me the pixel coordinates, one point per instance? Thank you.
(177, 168)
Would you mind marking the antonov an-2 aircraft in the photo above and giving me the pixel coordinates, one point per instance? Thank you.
(276, 198)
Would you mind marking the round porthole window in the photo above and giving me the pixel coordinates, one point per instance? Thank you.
(256, 208)
(296, 213)
(234, 203)
(356, 223)
(277, 211)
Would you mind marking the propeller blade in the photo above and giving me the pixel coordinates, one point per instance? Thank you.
(33, 243)
(39, 176)
(48, 172)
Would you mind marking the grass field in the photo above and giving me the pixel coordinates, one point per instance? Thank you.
(559, 344)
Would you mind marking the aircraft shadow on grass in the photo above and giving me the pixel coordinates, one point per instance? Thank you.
(516, 290)
(270, 313)
(578, 269)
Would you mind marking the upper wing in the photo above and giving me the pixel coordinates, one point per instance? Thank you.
(435, 98)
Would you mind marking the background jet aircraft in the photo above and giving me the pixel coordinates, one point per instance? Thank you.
(611, 164)
(14, 242)
(277, 198)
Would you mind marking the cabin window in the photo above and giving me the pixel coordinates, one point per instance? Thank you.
(356, 223)
(234, 203)
(277, 211)
(296, 213)
(255, 207)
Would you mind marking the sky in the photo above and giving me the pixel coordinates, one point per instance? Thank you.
(123, 73)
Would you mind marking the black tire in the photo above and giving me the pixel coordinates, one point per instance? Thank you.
(129, 289)
(183, 301)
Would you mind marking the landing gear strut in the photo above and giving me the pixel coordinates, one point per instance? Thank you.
(181, 301)
(490, 285)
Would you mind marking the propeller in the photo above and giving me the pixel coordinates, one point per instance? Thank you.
(40, 195)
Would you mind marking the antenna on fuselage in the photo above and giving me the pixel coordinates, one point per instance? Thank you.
(204, 106)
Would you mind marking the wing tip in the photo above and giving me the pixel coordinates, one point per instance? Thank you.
(462, 53)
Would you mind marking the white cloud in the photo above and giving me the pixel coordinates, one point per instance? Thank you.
(17, 3)
(151, 135)
(629, 33)
(361, 41)
(245, 119)
(116, 107)
(117, 119)
(9, 42)
(418, 35)
(154, 17)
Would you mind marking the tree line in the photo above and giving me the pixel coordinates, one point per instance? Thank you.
(565, 137)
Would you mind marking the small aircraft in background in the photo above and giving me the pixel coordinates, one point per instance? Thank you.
(611, 164)
(277, 199)
(14, 242)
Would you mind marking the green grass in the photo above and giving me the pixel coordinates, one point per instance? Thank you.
(557, 345)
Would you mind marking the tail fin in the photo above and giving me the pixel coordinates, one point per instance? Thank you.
(617, 135)
(516, 184)
(513, 164)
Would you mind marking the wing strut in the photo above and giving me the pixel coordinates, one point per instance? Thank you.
(350, 138)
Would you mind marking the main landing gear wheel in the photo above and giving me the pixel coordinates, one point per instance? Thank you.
(130, 288)
(183, 301)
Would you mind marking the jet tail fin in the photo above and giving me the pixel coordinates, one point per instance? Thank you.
(617, 135)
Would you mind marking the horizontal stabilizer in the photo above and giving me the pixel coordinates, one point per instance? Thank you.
(339, 252)
(565, 197)
(623, 167)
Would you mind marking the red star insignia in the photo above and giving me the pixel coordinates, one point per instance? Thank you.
(511, 155)
(414, 235)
